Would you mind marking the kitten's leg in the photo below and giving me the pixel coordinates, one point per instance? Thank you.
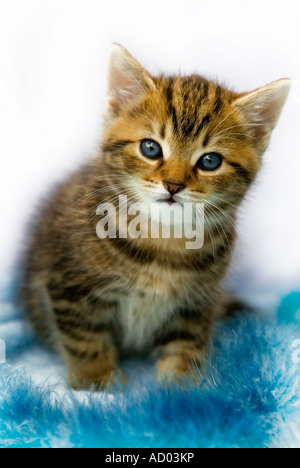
(183, 347)
(88, 348)
(92, 362)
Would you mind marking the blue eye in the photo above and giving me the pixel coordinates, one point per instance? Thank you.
(210, 162)
(151, 149)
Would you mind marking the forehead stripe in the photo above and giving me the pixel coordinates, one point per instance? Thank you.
(170, 108)
(206, 140)
(188, 122)
(205, 121)
(163, 131)
(174, 120)
(218, 102)
(205, 88)
(169, 95)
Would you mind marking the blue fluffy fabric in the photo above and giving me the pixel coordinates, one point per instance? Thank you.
(250, 398)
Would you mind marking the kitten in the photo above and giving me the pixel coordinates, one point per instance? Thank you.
(180, 139)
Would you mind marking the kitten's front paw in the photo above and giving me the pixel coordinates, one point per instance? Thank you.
(178, 370)
(111, 378)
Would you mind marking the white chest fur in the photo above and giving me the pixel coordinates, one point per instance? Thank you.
(140, 316)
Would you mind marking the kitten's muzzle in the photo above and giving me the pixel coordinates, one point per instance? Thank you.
(174, 186)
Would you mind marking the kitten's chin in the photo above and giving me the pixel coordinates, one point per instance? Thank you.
(167, 212)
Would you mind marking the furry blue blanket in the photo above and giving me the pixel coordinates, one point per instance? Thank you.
(249, 399)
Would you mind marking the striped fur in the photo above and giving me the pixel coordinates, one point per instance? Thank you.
(97, 301)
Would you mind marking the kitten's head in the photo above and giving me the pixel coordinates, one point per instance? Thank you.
(185, 139)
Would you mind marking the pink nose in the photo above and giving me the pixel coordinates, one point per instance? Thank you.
(174, 186)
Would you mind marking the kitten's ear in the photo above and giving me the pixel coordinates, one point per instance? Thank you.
(126, 81)
(262, 108)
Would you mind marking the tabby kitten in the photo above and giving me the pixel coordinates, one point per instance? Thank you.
(180, 139)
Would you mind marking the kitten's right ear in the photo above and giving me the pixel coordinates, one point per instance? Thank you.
(126, 81)
(261, 109)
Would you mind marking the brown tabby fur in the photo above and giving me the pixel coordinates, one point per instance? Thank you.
(96, 301)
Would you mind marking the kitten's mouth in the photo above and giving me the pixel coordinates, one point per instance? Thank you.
(169, 201)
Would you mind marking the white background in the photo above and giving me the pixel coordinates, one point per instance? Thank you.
(53, 56)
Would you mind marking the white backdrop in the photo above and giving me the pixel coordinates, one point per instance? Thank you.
(53, 55)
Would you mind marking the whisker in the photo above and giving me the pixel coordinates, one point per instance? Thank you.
(224, 213)
(217, 224)
(230, 113)
(225, 200)
(210, 233)
(240, 125)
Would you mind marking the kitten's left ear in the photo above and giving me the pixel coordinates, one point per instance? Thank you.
(126, 81)
(262, 109)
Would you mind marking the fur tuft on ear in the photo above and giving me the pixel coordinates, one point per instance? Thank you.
(262, 108)
(126, 81)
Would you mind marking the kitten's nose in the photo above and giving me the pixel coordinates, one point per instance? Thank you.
(174, 186)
